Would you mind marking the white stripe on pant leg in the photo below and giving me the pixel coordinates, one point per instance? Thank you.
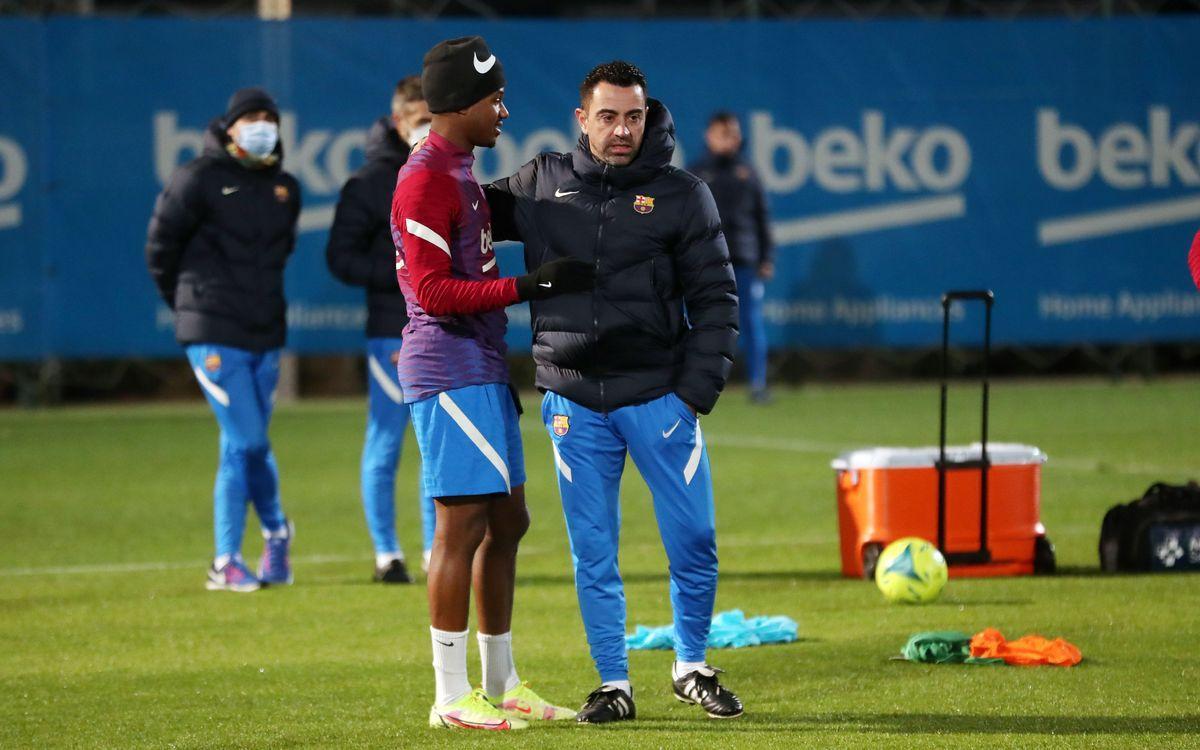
(475, 435)
(693, 463)
(391, 389)
(215, 390)
(489, 265)
(562, 465)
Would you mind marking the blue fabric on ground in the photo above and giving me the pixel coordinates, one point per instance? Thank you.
(729, 630)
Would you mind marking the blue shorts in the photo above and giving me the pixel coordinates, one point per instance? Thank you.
(470, 441)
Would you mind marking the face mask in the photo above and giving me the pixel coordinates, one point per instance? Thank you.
(419, 132)
(258, 138)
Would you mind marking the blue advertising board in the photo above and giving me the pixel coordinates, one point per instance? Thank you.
(1056, 162)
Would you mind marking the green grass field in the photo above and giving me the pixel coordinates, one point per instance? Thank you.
(108, 638)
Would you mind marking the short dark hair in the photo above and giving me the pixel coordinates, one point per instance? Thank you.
(407, 90)
(722, 117)
(617, 72)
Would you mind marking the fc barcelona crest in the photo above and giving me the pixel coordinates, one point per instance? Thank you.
(212, 362)
(282, 193)
(643, 204)
(561, 424)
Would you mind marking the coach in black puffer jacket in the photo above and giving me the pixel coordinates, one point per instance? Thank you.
(360, 250)
(218, 241)
(654, 235)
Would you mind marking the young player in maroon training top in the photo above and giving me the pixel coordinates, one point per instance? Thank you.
(453, 371)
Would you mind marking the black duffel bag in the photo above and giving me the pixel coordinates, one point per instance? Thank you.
(1159, 531)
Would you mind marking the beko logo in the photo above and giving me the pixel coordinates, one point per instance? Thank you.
(876, 158)
(1126, 156)
(14, 169)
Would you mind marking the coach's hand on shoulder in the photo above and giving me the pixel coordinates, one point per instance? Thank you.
(562, 276)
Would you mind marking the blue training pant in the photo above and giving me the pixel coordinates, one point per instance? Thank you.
(240, 388)
(666, 444)
(753, 336)
(387, 418)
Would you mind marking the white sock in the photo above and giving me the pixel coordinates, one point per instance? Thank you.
(622, 685)
(221, 561)
(449, 665)
(384, 559)
(499, 672)
(680, 668)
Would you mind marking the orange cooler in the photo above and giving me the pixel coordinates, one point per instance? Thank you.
(884, 494)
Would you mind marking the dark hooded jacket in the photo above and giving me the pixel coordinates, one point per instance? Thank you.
(654, 237)
(360, 250)
(742, 205)
(217, 244)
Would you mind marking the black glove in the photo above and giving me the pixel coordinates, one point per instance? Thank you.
(562, 276)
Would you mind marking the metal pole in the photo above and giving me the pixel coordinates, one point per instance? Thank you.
(986, 463)
(941, 465)
(288, 388)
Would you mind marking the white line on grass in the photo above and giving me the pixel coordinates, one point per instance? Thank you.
(530, 551)
(809, 447)
(143, 567)
(753, 442)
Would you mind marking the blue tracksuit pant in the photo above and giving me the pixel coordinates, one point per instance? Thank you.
(387, 418)
(664, 440)
(240, 388)
(753, 336)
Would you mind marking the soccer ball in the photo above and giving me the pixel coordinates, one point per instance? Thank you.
(911, 571)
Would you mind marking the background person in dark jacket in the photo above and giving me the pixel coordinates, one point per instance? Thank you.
(361, 253)
(743, 208)
(624, 369)
(221, 233)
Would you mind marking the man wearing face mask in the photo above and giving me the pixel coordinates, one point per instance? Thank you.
(221, 233)
(361, 253)
(627, 367)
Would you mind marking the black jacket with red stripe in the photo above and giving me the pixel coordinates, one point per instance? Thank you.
(663, 315)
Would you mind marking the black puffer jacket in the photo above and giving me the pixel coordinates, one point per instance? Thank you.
(218, 241)
(654, 235)
(360, 250)
(742, 205)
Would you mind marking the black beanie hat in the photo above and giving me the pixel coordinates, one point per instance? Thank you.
(249, 100)
(459, 72)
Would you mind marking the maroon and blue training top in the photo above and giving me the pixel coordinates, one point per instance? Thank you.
(446, 267)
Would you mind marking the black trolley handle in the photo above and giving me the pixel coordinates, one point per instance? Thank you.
(983, 555)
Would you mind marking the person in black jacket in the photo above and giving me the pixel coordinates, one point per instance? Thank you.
(361, 253)
(221, 233)
(742, 204)
(627, 367)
